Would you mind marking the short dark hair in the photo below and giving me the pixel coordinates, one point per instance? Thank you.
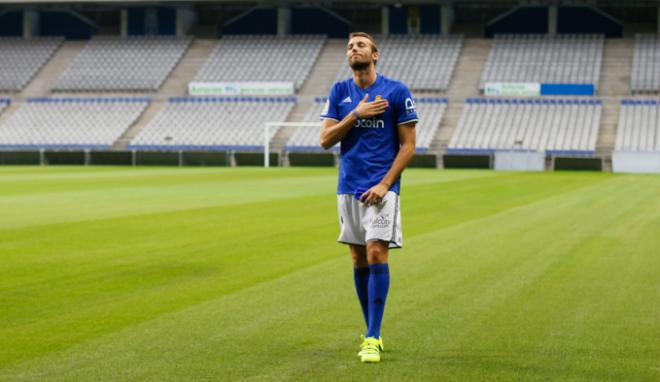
(374, 47)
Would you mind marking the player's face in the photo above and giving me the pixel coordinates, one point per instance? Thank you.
(360, 53)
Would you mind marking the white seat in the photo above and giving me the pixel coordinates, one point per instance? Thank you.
(237, 58)
(113, 63)
(639, 125)
(544, 59)
(421, 62)
(529, 124)
(218, 122)
(87, 122)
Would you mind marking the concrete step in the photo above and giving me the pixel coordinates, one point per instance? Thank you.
(280, 138)
(447, 126)
(614, 85)
(325, 70)
(464, 84)
(187, 68)
(144, 119)
(46, 78)
(608, 126)
(616, 68)
(470, 66)
(285, 132)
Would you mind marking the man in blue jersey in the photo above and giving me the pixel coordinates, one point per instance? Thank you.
(374, 118)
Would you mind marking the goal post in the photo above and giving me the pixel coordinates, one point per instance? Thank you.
(270, 126)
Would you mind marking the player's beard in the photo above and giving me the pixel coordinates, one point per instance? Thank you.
(359, 65)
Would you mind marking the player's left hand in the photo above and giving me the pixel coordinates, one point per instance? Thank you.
(375, 194)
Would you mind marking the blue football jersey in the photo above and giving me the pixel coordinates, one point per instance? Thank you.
(370, 146)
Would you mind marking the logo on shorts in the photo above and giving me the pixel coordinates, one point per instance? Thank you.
(381, 221)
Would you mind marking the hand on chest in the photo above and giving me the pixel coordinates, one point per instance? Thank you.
(379, 121)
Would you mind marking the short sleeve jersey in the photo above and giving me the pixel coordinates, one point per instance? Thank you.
(370, 146)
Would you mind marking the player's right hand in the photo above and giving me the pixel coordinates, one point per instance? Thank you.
(369, 109)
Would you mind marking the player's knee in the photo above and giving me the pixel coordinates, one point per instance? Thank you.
(377, 255)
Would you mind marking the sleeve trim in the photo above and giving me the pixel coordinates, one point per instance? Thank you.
(404, 122)
(334, 119)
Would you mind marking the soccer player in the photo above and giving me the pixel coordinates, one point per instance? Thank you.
(374, 118)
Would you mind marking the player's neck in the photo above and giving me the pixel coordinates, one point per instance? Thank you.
(364, 78)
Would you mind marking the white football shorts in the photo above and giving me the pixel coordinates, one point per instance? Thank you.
(359, 223)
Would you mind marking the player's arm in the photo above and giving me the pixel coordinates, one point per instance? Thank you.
(333, 131)
(407, 140)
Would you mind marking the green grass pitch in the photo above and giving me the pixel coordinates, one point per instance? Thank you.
(220, 274)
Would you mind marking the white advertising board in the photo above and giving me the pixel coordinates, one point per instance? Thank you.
(512, 89)
(240, 88)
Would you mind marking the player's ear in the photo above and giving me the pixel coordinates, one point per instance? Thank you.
(375, 56)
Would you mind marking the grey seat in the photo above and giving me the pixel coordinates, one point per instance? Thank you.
(123, 64)
(21, 59)
(565, 125)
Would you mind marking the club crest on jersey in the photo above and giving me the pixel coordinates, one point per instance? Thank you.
(410, 106)
(371, 123)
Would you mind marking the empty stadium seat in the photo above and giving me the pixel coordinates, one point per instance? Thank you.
(646, 64)
(213, 123)
(570, 59)
(421, 62)
(21, 59)
(553, 125)
(639, 125)
(128, 64)
(262, 58)
(89, 122)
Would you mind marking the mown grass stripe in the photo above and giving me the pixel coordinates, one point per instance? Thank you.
(553, 283)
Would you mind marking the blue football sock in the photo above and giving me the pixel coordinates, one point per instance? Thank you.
(361, 277)
(379, 283)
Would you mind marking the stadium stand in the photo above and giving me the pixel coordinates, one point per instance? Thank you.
(557, 126)
(639, 125)
(646, 64)
(123, 64)
(424, 63)
(307, 138)
(566, 59)
(70, 122)
(262, 58)
(21, 59)
(213, 123)
(430, 111)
